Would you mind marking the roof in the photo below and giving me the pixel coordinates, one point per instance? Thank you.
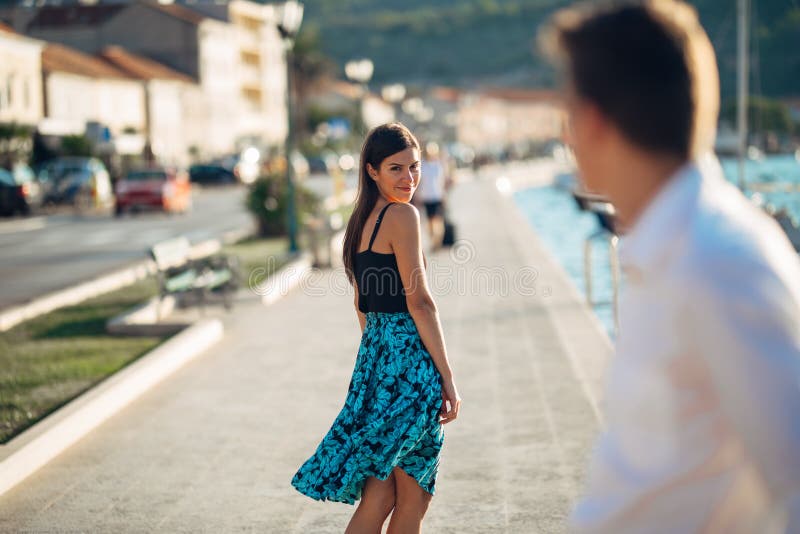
(60, 58)
(179, 12)
(207, 9)
(73, 15)
(140, 67)
(446, 94)
(342, 88)
(98, 14)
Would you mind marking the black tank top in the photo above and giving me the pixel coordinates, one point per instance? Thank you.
(380, 288)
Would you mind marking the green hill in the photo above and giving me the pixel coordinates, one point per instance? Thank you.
(463, 42)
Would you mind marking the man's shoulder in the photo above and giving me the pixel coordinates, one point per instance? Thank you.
(731, 243)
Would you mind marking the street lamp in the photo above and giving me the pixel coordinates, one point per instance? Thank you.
(360, 72)
(290, 20)
(394, 94)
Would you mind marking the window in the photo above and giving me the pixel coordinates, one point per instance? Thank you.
(10, 90)
(26, 93)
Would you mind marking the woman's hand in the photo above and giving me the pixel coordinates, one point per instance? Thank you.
(451, 402)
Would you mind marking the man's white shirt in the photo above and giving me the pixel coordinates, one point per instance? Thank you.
(431, 184)
(703, 396)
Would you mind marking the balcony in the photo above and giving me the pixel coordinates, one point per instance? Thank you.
(250, 41)
(250, 76)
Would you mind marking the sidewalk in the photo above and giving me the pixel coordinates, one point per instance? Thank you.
(212, 448)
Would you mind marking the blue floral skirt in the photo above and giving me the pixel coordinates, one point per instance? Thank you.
(390, 417)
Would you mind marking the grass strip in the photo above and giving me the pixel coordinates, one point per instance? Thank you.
(50, 360)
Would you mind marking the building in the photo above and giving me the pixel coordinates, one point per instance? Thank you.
(20, 78)
(262, 70)
(84, 93)
(497, 119)
(343, 99)
(175, 116)
(233, 51)
(444, 102)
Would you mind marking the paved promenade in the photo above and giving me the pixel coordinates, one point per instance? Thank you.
(212, 448)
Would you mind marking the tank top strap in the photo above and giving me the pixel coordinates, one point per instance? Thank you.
(378, 225)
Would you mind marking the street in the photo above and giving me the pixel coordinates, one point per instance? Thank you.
(57, 251)
(213, 447)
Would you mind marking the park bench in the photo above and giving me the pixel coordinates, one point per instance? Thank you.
(180, 274)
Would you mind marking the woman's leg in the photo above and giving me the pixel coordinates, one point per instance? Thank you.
(377, 501)
(411, 503)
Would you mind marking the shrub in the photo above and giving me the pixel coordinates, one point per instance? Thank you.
(267, 200)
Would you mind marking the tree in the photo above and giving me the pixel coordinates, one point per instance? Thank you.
(764, 115)
(309, 66)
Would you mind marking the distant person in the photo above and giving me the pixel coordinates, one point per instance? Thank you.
(702, 400)
(384, 446)
(431, 192)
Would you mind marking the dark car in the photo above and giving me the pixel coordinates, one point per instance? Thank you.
(80, 182)
(20, 191)
(211, 175)
(317, 165)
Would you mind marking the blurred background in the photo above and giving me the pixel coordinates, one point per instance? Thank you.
(127, 124)
(202, 86)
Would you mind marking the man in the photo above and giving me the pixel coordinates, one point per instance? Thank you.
(703, 396)
(432, 189)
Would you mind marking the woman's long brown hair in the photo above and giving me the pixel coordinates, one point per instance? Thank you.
(382, 142)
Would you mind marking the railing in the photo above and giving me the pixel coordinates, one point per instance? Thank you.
(606, 217)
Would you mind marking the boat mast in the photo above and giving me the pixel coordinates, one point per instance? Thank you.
(743, 9)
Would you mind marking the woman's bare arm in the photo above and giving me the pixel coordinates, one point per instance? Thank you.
(404, 234)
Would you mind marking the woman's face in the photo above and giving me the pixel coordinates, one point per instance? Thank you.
(398, 175)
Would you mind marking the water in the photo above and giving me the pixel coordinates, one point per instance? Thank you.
(563, 228)
(769, 170)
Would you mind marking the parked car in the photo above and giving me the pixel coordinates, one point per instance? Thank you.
(211, 175)
(317, 165)
(154, 188)
(20, 191)
(245, 165)
(81, 182)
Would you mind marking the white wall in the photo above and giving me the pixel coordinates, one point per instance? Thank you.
(196, 119)
(273, 83)
(118, 104)
(219, 80)
(121, 104)
(20, 80)
(256, 26)
(167, 128)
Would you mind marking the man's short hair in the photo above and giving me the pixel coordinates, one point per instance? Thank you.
(648, 66)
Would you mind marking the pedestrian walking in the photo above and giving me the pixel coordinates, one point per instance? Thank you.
(432, 189)
(383, 448)
(702, 426)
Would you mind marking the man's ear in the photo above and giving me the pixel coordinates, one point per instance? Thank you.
(596, 123)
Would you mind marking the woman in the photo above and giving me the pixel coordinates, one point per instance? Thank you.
(383, 447)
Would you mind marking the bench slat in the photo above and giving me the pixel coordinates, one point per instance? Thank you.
(171, 253)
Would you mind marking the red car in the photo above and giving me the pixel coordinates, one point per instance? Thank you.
(154, 188)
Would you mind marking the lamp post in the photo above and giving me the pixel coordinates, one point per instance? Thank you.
(289, 24)
(360, 72)
(394, 94)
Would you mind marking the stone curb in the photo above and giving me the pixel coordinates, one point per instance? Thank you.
(145, 319)
(284, 280)
(32, 449)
